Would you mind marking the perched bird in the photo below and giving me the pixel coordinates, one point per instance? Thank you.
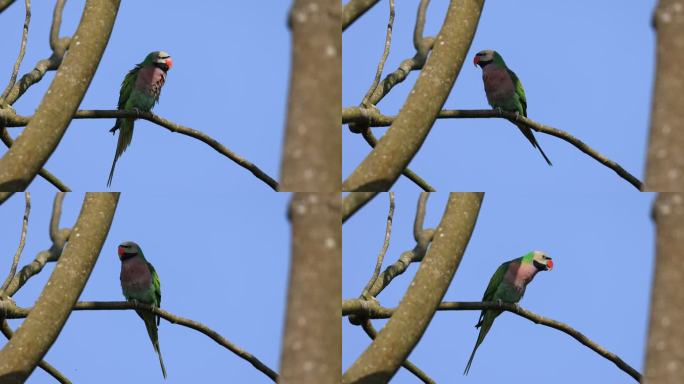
(508, 285)
(140, 283)
(140, 91)
(504, 90)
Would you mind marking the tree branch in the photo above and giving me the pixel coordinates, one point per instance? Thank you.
(381, 168)
(383, 250)
(312, 152)
(22, 242)
(22, 51)
(13, 120)
(19, 357)
(388, 42)
(31, 150)
(312, 344)
(14, 312)
(376, 119)
(44, 365)
(373, 310)
(355, 9)
(6, 3)
(380, 361)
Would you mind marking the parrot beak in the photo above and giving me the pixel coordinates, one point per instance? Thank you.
(121, 252)
(169, 62)
(549, 264)
(476, 60)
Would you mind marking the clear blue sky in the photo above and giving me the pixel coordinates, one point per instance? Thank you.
(229, 80)
(587, 68)
(222, 259)
(602, 246)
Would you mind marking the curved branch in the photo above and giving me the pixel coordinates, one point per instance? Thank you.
(19, 357)
(14, 312)
(381, 168)
(355, 9)
(383, 250)
(373, 310)
(31, 150)
(22, 242)
(18, 121)
(376, 119)
(380, 361)
(22, 51)
(44, 365)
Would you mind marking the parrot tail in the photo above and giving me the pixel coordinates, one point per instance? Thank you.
(154, 337)
(485, 325)
(125, 136)
(530, 136)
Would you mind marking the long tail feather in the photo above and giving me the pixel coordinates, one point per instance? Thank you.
(530, 136)
(151, 327)
(125, 127)
(485, 326)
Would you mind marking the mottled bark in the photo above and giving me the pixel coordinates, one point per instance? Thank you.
(665, 347)
(665, 160)
(312, 345)
(38, 332)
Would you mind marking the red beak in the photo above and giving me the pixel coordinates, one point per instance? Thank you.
(121, 251)
(549, 264)
(476, 60)
(169, 62)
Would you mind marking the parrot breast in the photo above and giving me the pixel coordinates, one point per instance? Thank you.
(499, 87)
(136, 280)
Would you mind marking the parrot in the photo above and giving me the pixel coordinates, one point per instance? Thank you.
(504, 90)
(139, 92)
(508, 285)
(140, 283)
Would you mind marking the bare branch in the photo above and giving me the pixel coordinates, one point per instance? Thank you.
(22, 51)
(14, 312)
(312, 152)
(421, 44)
(381, 168)
(665, 347)
(17, 121)
(22, 242)
(6, 3)
(373, 310)
(383, 251)
(418, 230)
(44, 365)
(56, 25)
(422, 376)
(380, 361)
(388, 42)
(355, 9)
(20, 356)
(31, 150)
(56, 215)
(312, 344)
(376, 119)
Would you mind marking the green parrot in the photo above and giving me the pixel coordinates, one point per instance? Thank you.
(140, 91)
(504, 90)
(508, 285)
(139, 282)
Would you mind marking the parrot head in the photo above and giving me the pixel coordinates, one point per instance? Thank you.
(159, 59)
(485, 57)
(128, 249)
(542, 261)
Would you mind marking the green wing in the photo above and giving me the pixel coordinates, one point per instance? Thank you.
(520, 91)
(157, 287)
(494, 282)
(127, 86)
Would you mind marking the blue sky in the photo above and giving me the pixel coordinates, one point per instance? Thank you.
(588, 73)
(222, 260)
(229, 80)
(602, 246)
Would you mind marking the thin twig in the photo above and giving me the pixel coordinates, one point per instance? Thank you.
(383, 59)
(14, 312)
(56, 25)
(44, 365)
(422, 376)
(17, 121)
(383, 251)
(420, 217)
(22, 51)
(22, 242)
(422, 44)
(376, 119)
(56, 215)
(373, 310)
